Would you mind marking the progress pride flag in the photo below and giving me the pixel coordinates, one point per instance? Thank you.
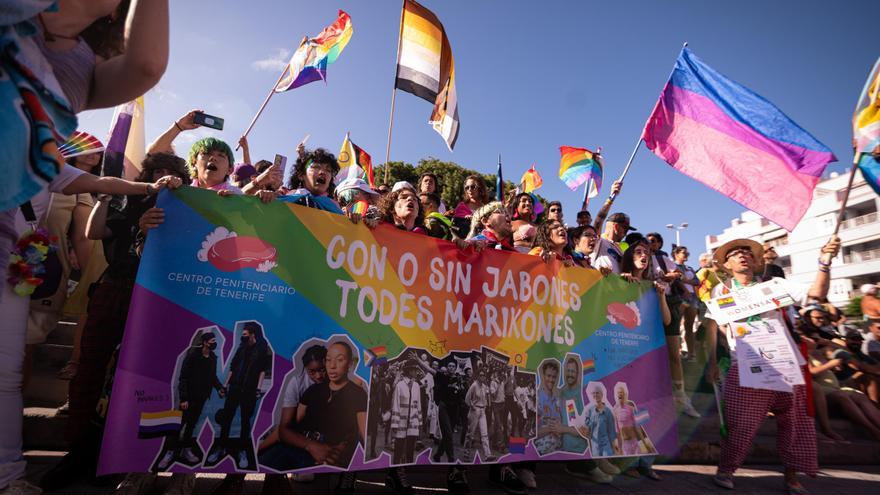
(736, 142)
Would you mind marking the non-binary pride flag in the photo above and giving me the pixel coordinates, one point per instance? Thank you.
(736, 142)
(309, 62)
(354, 162)
(426, 69)
(578, 165)
(866, 119)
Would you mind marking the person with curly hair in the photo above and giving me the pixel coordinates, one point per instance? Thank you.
(475, 196)
(552, 243)
(402, 209)
(522, 214)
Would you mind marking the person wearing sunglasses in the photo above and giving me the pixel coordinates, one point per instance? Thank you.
(746, 408)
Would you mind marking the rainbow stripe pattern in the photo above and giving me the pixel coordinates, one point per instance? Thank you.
(589, 365)
(726, 136)
(375, 355)
(161, 423)
(309, 62)
(578, 165)
(354, 162)
(80, 143)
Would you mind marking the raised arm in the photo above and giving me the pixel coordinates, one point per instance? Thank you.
(819, 290)
(130, 75)
(163, 142)
(606, 206)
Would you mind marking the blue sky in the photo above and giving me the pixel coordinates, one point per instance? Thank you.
(531, 76)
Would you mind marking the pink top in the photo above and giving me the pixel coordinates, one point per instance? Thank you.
(625, 416)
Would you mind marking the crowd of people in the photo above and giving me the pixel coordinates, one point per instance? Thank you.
(64, 61)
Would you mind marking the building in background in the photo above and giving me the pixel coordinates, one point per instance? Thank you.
(859, 259)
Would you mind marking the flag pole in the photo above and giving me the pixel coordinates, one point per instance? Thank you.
(394, 92)
(586, 203)
(852, 174)
(268, 97)
(638, 144)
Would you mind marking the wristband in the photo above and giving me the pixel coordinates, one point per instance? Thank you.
(824, 264)
(178, 126)
(150, 189)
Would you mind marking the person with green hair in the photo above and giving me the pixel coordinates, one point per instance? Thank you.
(210, 159)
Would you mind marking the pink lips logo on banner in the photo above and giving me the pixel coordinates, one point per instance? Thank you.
(625, 314)
(229, 252)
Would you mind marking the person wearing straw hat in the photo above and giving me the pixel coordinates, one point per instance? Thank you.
(746, 408)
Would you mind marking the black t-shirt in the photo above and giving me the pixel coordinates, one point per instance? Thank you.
(334, 415)
(119, 249)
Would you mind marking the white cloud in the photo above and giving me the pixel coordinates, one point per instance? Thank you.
(274, 62)
(163, 94)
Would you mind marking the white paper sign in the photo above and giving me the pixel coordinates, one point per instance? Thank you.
(766, 357)
(743, 302)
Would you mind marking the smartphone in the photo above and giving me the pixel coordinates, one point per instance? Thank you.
(208, 120)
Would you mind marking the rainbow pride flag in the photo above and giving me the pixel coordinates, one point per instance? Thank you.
(578, 165)
(530, 180)
(870, 168)
(866, 118)
(80, 143)
(160, 423)
(726, 136)
(589, 365)
(309, 62)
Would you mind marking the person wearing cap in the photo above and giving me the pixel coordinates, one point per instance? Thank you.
(608, 252)
(242, 174)
(871, 345)
(196, 381)
(358, 201)
(746, 408)
(437, 224)
(770, 268)
(870, 303)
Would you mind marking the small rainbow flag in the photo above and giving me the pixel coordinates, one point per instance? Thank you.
(309, 62)
(80, 143)
(642, 417)
(589, 365)
(578, 165)
(360, 208)
(159, 423)
(531, 180)
(516, 445)
(726, 302)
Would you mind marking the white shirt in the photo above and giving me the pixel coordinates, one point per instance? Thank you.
(607, 254)
(871, 344)
(295, 389)
(798, 292)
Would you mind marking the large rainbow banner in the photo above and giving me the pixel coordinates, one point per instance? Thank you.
(278, 338)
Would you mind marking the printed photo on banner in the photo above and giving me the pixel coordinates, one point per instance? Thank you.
(321, 413)
(247, 378)
(196, 384)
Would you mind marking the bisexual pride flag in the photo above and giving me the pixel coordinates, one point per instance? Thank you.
(724, 135)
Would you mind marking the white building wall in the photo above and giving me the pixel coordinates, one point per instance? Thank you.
(859, 260)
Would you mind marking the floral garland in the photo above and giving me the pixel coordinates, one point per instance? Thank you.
(26, 262)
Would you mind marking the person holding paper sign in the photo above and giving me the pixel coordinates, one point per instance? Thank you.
(746, 408)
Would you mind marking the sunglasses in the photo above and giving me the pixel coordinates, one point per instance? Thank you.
(470, 187)
(743, 251)
(554, 210)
